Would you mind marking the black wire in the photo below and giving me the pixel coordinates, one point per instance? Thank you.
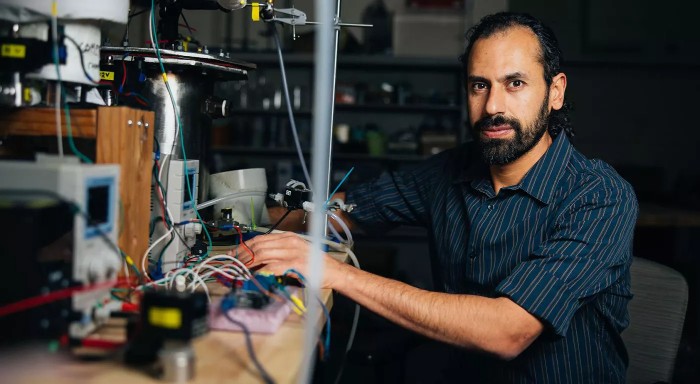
(142, 11)
(82, 59)
(128, 21)
(278, 222)
(249, 345)
(186, 23)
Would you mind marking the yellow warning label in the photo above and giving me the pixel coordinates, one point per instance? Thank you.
(15, 51)
(165, 317)
(106, 75)
(27, 95)
(255, 11)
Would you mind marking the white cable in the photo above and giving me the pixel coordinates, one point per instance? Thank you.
(216, 269)
(194, 276)
(228, 197)
(292, 123)
(150, 248)
(193, 285)
(157, 282)
(126, 271)
(225, 257)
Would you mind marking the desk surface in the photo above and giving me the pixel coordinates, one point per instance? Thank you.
(221, 357)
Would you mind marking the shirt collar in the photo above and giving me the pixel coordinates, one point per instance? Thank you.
(540, 180)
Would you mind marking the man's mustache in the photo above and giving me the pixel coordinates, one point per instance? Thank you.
(494, 121)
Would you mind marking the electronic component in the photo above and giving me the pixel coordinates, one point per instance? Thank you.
(295, 195)
(27, 65)
(251, 306)
(169, 321)
(182, 206)
(94, 191)
(36, 249)
(174, 315)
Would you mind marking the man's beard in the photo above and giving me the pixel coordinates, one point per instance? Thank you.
(504, 151)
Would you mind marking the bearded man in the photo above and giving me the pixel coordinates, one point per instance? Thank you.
(531, 242)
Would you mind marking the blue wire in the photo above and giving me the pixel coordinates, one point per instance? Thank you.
(225, 306)
(327, 342)
(339, 184)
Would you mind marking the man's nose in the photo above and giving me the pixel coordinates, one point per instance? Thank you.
(496, 102)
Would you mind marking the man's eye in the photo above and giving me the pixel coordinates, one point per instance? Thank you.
(516, 83)
(478, 86)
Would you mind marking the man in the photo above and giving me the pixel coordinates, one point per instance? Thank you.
(531, 241)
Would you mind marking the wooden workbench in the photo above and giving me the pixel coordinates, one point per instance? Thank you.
(221, 357)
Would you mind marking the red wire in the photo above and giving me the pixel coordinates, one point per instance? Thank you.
(137, 99)
(37, 301)
(252, 255)
(101, 344)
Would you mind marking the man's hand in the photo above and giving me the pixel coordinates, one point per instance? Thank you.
(278, 252)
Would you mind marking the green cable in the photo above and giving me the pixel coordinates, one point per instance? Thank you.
(66, 111)
(252, 214)
(69, 130)
(179, 124)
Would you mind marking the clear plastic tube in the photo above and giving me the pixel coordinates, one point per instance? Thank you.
(229, 197)
(335, 232)
(346, 230)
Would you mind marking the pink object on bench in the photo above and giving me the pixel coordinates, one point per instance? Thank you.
(266, 320)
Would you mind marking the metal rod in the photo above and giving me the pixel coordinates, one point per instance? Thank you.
(342, 24)
(332, 102)
(324, 88)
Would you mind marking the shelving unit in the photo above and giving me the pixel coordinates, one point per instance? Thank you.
(390, 113)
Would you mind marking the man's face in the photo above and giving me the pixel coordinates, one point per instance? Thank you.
(507, 96)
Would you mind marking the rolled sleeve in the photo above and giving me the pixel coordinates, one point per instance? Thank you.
(588, 250)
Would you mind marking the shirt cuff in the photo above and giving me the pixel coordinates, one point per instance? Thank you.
(542, 294)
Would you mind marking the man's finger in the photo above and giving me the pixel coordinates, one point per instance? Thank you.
(271, 237)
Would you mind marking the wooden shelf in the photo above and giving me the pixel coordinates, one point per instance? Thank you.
(288, 152)
(358, 108)
(42, 122)
(346, 61)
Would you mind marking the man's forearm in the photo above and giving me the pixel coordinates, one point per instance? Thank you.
(497, 326)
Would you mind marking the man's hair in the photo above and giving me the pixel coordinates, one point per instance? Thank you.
(550, 55)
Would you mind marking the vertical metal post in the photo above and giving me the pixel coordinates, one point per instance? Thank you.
(324, 88)
(332, 100)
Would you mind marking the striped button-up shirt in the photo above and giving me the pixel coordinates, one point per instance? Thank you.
(559, 244)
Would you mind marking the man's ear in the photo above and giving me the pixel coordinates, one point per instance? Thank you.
(556, 91)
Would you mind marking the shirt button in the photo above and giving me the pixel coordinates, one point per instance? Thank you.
(490, 207)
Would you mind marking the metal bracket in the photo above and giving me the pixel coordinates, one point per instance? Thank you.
(298, 17)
